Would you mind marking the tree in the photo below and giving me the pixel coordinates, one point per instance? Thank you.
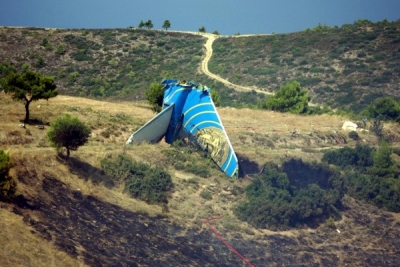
(155, 96)
(384, 165)
(68, 132)
(166, 25)
(149, 24)
(29, 86)
(387, 108)
(202, 29)
(289, 98)
(141, 24)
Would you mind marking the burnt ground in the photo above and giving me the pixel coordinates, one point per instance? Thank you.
(103, 234)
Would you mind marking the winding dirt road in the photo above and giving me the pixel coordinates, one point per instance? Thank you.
(204, 67)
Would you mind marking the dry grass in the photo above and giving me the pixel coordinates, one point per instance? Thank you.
(261, 136)
(21, 246)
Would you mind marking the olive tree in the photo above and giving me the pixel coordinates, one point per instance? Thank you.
(29, 86)
(68, 132)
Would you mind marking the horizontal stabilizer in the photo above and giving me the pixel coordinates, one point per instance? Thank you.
(154, 129)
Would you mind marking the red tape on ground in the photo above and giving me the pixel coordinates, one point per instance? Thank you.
(206, 221)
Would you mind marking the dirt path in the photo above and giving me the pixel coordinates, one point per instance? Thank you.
(204, 67)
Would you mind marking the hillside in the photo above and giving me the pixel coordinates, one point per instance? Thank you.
(350, 66)
(343, 67)
(71, 214)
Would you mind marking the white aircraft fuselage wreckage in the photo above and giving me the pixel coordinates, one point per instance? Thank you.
(189, 112)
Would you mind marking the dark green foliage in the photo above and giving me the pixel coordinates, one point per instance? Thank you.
(216, 98)
(60, 49)
(384, 165)
(289, 98)
(40, 63)
(387, 108)
(354, 135)
(297, 194)
(5, 69)
(29, 86)
(155, 96)
(142, 181)
(149, 184)
(68, 132)
(8, 186)
(82, 55)
(382, 192)
(81, 42)
(167, 24)
(369, 175)
(360, 157)
(149, 24)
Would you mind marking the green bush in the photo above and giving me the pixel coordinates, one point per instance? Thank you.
(360, 157)
(387, 108)
(142, 181)
(370, 175)
(155, 96)
(276, 200)
(206, 194)
(8, 186)
(354, 135)
(289, 98)
(68, 132)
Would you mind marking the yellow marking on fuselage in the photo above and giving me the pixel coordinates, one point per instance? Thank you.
(203, 122)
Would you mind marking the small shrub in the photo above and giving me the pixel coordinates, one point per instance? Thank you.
(206, 194)
(354, 135)
(331, 223)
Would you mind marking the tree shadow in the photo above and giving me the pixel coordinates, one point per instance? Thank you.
(246, 166)
(86, 171)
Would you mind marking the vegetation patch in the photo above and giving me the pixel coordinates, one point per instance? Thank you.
(142, 181)
(369, 174)
(294, 195)
(189, 157)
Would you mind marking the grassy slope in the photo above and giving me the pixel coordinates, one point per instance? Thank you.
(260, 136)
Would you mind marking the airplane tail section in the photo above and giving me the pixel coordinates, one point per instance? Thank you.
(155, 129)
(189, 112)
